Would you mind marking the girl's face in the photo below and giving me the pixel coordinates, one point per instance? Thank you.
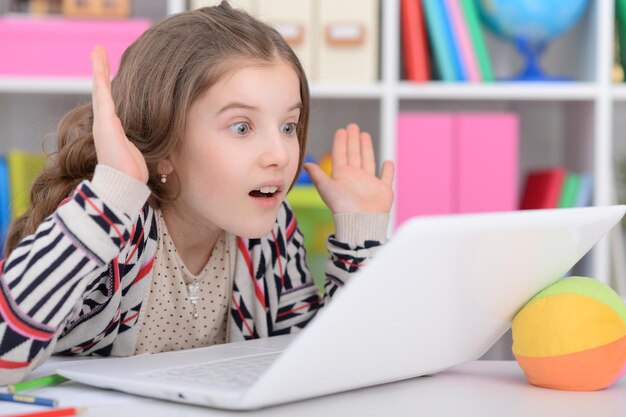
(241, 151)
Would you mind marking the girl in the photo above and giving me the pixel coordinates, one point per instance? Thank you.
(175, 233)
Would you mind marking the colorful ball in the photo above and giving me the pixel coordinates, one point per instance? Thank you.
(572, 336)
(304, 178)
(326, 163)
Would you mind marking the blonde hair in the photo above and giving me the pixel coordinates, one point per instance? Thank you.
(160, 76)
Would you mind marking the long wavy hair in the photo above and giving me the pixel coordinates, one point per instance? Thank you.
(160, 76)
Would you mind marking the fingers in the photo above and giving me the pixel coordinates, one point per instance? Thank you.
(100, 64)
(339, 154)
(316, 174)
(368, 161)
(354, 148)
(386, 174)
(101, 84)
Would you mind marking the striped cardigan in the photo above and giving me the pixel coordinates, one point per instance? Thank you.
(77, 285)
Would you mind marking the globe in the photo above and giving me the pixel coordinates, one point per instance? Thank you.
(531, 25)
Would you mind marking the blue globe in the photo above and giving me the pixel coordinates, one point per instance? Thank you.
(530, 25)
(531, 20)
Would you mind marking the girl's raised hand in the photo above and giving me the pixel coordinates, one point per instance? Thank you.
(112, 146)
(353, 186)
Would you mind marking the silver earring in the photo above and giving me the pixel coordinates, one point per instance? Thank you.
(163, 178)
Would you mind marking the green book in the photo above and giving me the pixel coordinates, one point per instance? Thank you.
(569, 193)
(620, 17)
(24, 167)
(478, 41)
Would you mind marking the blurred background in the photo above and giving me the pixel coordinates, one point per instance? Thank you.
(484, 105)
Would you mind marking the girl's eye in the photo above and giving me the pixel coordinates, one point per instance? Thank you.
(240, 128)
(288, 128)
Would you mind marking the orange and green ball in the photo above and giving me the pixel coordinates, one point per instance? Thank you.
(572, 336)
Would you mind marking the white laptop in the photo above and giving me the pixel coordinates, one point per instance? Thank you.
(440, 293)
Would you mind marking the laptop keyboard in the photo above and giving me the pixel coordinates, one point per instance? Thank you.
(236, 373)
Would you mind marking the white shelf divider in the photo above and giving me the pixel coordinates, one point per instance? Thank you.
(176, 6)
(618, 92)
(604, 174)
(390, 71)
(497, 91)
(349, 91)
(45, 85)
(395, 91)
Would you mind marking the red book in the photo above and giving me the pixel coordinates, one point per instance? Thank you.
(543, 188)
(414, 41)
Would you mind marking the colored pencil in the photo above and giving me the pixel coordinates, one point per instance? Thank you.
(36, 383)
(55, 412)
(27, 399)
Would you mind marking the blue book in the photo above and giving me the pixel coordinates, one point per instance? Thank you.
(455, 47)
(585, 191)
(5, 202)
(440, 39)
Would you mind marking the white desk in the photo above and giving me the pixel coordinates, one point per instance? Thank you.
(481, 388)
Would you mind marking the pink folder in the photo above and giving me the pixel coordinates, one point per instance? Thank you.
(424, 158)
(487, 165)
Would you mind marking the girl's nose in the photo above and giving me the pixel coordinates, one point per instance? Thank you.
(275, 152)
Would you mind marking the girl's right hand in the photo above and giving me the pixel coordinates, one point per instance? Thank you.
(112, 146)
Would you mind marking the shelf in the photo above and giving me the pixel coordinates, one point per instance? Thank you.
(58, 85)
(346, 91)
(404, 90)
(497, 91)
(45, 85)
(619, 92)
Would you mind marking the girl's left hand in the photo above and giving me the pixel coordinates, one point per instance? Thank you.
(353, 186)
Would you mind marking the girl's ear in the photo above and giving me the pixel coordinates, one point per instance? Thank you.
(164, 167)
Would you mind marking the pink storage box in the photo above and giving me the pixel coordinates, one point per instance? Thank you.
(61, 47)
(425, 181)
(456, 163)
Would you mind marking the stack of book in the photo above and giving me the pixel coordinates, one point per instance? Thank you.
(556, 187)
(448, 33)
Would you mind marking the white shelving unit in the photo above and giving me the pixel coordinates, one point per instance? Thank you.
(561, 123)
(567, 123)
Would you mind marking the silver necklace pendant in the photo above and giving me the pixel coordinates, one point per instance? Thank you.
(193, 290)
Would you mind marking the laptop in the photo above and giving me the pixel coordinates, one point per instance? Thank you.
(440, 293)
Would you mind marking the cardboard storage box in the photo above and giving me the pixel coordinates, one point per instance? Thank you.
(349, 40)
